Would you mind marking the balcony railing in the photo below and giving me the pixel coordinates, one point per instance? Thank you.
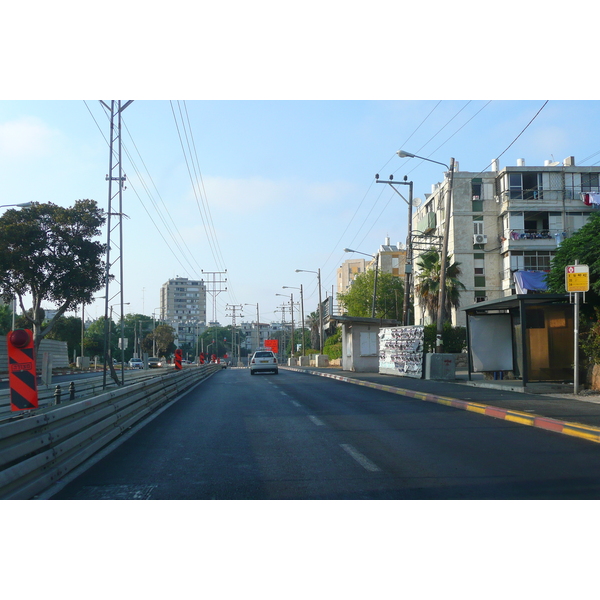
(544, 194)
(515, 235)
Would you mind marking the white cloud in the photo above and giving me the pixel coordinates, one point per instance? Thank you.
(26, 137)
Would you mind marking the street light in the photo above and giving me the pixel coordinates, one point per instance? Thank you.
(257, 325)
(291, 296)
(443, 264)
(22, 205)
(318, 273)
(376, 258)
(285, 287)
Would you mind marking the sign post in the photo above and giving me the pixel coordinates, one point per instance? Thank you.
(577, 280)
(21, 370)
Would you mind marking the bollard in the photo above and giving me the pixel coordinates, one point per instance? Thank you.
(72, 391)
(57, 395)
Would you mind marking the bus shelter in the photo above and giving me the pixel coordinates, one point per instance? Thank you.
(528, 337)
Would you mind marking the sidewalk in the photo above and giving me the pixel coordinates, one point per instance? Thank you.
(545, 405)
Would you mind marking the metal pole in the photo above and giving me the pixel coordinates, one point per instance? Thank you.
(375, 285)
(320, 314)
(439, 347)
(408, 260)
(302, 306)
(576, 345)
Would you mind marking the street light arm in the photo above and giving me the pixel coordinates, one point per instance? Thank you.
(403, 154)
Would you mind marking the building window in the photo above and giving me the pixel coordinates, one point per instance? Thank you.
(525, 186)
(589, 182)
(479, 299)
(479, 263)
(478, 226)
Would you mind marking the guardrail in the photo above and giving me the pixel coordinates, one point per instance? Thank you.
(39, 449)
(82, 387)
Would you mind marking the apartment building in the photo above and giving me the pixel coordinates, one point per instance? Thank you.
(506, 225)
(183, 306)
(391, 259)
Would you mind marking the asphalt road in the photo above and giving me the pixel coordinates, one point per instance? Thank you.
(293, 436)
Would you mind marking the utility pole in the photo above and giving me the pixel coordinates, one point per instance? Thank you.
(214, 289)
(233, 308)
(115, 173)
(408, 266)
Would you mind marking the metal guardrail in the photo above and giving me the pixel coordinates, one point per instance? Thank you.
(38, 450)
(83, 387)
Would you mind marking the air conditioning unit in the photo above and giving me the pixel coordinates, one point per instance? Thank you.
(479, 238)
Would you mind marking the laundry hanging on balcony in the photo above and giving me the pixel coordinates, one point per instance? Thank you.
(530, 281)
(591, 198)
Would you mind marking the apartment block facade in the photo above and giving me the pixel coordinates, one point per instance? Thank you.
(183, 306)
(506, 225)
(391, 258)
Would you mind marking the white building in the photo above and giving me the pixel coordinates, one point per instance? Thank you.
(505, 225)
(183, 306)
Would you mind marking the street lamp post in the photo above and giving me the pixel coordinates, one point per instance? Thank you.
(22, 205)
(439, 347)
(376, 258)
(302, 308)
(318, 273)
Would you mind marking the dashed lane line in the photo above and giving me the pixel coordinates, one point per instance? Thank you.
(360, 458)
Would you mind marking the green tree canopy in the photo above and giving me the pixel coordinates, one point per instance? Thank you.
(67, 329)
(358, 300)
(582, 246)
(48, 252)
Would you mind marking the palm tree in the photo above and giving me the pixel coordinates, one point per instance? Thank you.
(427, 287)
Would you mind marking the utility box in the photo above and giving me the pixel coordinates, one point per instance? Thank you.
(83, 362)
(440, 366)
(304, 361)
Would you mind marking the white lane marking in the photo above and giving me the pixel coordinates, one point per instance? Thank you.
(283, 393)
(296, 403)
(361, 459)
(315, 420)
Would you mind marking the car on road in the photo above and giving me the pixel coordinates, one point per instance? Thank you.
(136, 363)
(154, 363)
(263, 361)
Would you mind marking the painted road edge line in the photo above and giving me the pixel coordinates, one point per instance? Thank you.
(578, 430)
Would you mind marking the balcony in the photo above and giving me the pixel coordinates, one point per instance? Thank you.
(427, 223)
(548, 199)
(538, 239)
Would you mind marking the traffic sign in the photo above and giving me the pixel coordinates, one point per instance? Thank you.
(21, 370)
(577, 278)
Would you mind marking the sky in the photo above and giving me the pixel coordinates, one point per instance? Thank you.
(260, 188)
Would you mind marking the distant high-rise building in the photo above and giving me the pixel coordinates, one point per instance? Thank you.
(183, 306)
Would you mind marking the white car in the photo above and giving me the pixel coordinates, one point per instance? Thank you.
(263, 361)
(136, 363)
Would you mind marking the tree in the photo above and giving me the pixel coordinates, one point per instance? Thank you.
(312, 322)
(5, 319)
(48, 252)
(164, 335)
(358, 300)
(427, 287)
(67, 329)
(583, 246)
